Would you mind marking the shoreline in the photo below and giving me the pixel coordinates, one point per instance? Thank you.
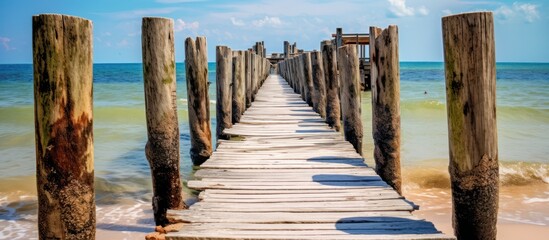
(436, 206)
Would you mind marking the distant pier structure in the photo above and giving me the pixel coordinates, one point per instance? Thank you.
(360, 40)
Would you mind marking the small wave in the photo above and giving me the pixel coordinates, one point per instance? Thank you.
(523, 173)
(510, 174)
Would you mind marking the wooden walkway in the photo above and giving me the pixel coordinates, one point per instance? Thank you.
(292, 177)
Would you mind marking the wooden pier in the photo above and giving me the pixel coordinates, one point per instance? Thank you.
(281, 170)
(290, 176)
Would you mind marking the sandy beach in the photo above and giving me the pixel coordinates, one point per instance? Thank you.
(515, 220)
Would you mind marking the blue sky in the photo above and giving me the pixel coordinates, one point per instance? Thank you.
(522, 27)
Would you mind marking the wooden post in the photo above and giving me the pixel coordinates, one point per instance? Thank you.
(63, 118)
(319, 84)
(386, 107)
(308, 80)
(339, 37)
(374, 33)
(224, 87)
(293, 75)
(264, 54)
(253, 75)
(333, 110)
(239, 86)
(347, 62)
(286, 50)
(469, 56)
(196, 65)
(257, 75)
(249, 74)
(162, 148)
(302, 77)
(324, 43)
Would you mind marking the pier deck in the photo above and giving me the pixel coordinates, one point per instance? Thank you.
(290, 176)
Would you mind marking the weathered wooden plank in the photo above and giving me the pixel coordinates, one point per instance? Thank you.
(225, 198)
(304, 235)
(251, 172)
(397, 224)
(200, 185)
(298, 207)
(247, 192)
(193, 216)
(355, 176)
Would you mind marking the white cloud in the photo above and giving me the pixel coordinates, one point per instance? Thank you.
(526, 10)
(504, 12)
(269, 21)
(530, 11)
(237, 22)
(423, 11)
(446, 12)
(6, 43)
(180, 25)
(399, 9)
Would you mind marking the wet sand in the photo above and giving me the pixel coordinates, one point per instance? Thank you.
(523, 210)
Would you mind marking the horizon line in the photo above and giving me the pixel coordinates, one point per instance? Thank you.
(410, 61)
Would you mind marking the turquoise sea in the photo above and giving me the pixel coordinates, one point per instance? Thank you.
(123, 183)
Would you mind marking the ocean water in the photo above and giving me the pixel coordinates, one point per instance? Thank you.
(123, 183)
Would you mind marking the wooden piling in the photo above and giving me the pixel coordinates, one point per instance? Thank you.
(239, 86)
(162, 148)
(469, 56)
(302, 77)
(333, 110)
(319, 84)
(294, 75)
(249, 88)
(63, 118)
(374, 33)
(347, 62)
(196, 66)
(308, 80)
(386, 107)
(253, 75)
(339, 37)
(286, 50)
(224, 89)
